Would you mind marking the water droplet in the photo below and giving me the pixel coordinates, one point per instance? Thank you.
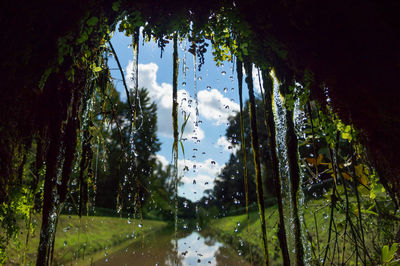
(65, 243)
(325, 216)
(183, 84)
(223, 73)
(140, 225)
(208, 87)
(213, 162)
(199, 78)
(194, 182)
(225, 90)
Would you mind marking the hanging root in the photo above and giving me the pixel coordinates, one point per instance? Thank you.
(256, 154)
(175, 127)
(239, 69)
(270, 123)
(294, 173)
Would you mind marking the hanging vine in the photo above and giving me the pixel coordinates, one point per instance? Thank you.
(256, 155)
(239, 71)
(269, 120)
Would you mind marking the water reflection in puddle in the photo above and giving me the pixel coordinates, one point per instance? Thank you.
(158, 249)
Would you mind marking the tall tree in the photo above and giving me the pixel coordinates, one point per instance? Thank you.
(118, 177)
(229, 186)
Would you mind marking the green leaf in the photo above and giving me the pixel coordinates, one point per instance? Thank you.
(388, 254)
(116, 5)
(186, 119)
(369, 212)
(363, 190)
(183, 149)
(97, 69)
(92, 21)
(70, 74)
(393, 250)
(84, 36)
(372, 194)
(385, 253)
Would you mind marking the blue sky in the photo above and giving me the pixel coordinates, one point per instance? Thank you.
(206, 148)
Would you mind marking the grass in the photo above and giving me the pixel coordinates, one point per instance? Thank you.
(233, 231)
(77, 238)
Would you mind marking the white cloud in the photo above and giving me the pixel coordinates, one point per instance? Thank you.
(214, 106)
(226, 145)
(207, 167)
(162, 160)
(162, 95)
(203, 173)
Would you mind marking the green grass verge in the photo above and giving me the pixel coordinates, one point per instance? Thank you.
(76, 238)
(233, 231)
